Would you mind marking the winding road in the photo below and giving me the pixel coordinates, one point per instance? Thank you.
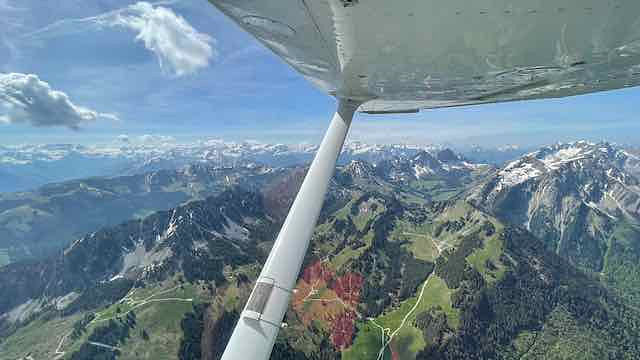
(128, 300)
(386, 332)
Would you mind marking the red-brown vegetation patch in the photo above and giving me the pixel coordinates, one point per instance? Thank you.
(317, 272)
(331, 301)
(348, 288)
(342, 330)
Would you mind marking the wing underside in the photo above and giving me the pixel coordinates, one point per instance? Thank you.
(411, 54)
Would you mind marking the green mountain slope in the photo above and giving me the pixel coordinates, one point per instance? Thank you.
(489, 286)
(38, 223)
(390, 274)
(582, 200)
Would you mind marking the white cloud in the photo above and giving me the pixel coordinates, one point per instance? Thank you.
(179, 47)
(155, 139)
(24, 98)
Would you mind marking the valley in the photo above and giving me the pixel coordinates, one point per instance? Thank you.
(413, 258)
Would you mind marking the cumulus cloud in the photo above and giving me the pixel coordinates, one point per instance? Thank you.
(24, 98)
(179, 48)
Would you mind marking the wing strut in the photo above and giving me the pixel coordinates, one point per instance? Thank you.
(258, 326)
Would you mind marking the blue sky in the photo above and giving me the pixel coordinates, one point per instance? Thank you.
(117, 76)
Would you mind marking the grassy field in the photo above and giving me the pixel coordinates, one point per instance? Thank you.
(159, 311)
(348, 253)
(140, 298)
(408, 340)
(345, 212)
(445, 194)
(161, 321)
(40, 338)
(489, 253)
(368, 210)
(435, 294)
(436, 189)
(420, 240)
(427, 185)
(367, 344)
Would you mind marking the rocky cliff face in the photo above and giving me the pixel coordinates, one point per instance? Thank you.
(582, 200)
(423, 165)
(572, 196)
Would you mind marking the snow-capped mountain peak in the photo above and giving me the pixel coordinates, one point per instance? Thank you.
(566, 189)
(553, 158)
(58, 162)
(360, 169)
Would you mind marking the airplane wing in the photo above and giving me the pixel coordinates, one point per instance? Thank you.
(394, 56)
(406, 55)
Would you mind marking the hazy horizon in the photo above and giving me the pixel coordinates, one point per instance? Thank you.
(220, 82)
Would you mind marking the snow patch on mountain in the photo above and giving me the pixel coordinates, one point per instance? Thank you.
(421, 170)
(563, 156)
(62, 302)
(42, 164)
(546, 189)
(173, 225)
(517, 173)
(554, 158)
(235, 231)
(141, 258)
(360, 169)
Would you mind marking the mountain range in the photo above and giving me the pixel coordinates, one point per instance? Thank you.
(36, 223)
(581, 199)
(26, 167)
(420, 256)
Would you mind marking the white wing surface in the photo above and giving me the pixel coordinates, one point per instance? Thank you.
(410, 54)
